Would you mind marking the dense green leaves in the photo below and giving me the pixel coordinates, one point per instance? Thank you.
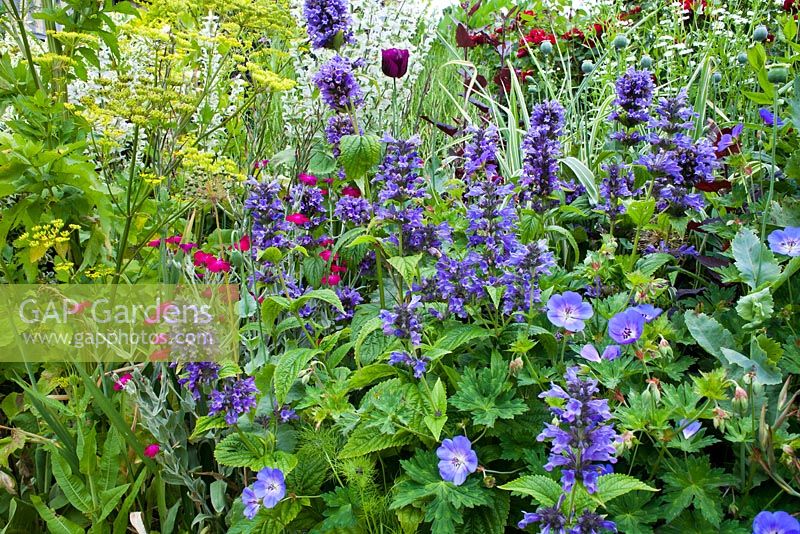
(488, 395)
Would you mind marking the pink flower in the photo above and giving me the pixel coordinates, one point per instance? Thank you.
(307, 179)
(325, 255)
(174, 240)
(159, 310)
(338, 268)
(152, 450)
(155, 243)
(202, 258)
(326, 242)
(331, 279)
(351, 191)
(187, 247)
(119, 385)
(216, 265)
(297, 218)
(261, 164)
(243, 244)
(159, 355)
(79, 307)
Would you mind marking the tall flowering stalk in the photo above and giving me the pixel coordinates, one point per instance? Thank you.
(328, 23)
(635, 91)
(542, 148)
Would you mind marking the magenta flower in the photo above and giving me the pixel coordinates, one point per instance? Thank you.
(152, 450)
(119, 385)
(243, 245)
(155, 243)
(569, 311)
(786, 241)
(394, 62)
(626, 327)
(351, 191)
(456, 460)
(297, 218)
(218, 265)
(775, 523)
(331, 279)
(308, 179)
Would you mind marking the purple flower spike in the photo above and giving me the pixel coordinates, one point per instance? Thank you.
(775, 523)
(551, 520)
(456, 460)
(270, 486)
(569, 311)
(626, 327)
(786, 241)
(768, 118)
(689, 429)
(328, 22)
(649, 312)
(338, 85)
(236, 398)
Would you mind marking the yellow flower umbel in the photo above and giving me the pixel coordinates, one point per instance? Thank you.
(43, 237)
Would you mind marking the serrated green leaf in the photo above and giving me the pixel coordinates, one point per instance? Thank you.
(765, 372)
(109, 462)
(270, 309)
(325, 295)
(358, 154)
(406, 266)
(364, 440)
(290, 363)
(544, 490)
(487, 395)
(56, 524)
(756, 307)
(73, 487)
(459, 335)
(616, 485)
(205, 423)
(369, 374)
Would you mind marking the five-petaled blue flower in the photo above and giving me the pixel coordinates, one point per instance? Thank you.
(569, 311)
(456, 460)
(626, 327)
(786, 241)
(267, 491)
(775, 523)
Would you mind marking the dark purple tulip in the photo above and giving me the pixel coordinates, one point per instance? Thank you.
(395, 62)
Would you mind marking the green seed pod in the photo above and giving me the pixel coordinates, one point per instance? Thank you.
(760, 34)
(546, 47)
(742, 58)
(587, 66)
(621, 42)
(646, 62)
(716, 77)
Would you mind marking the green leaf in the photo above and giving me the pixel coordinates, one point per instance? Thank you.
(693, 482)
(56, 524)
(766, 373)
(109, 500)
(755, 261)
(488, 395)
(544, 490)
(756, 307)
(217, 490)
(313, 269)
(325, 295)
(87, 450)
(640, 211)
(651, 263)
(205, 423)
(443, 502)
(364, 440)
(121, 522)
(73, 487)
(708, 333)
(616, 485)
(288, 368)
(358, 154)
(490, 519)
(369, 374)
(406, 266)
(585, 176)
(110, 461)
(271, 308)
(459, 335)
(371, 341)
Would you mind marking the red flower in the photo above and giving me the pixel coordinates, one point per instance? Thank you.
(155, 243)
(152, 450)
(187, 247)
(297, 218)
(307, 179)
(326, 255)
(693, 5)
(79, 307)
(625, 15)
(350, 191)
(574, 33)
(201, 258)
(174, 240)
(159, 355)
(338, 268)
(791, 6)
(326, 242)
(119, 385)
(243, 245)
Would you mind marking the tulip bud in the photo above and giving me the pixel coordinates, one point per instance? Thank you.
(394, 62)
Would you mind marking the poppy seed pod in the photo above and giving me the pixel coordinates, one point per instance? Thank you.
(394, 62)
